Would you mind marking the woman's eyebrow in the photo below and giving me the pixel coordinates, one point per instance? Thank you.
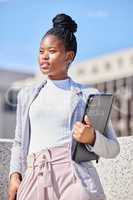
(48, 47)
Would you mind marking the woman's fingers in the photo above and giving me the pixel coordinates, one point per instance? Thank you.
(83, 132)
(78, 126)
(87, 120)
(79, 129)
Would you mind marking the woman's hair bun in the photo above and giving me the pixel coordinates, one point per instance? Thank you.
(64, 21)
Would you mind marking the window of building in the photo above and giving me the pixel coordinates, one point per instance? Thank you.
(80, 71)
(107, 66)
(131, 59)
(94, 69)
(120, 62)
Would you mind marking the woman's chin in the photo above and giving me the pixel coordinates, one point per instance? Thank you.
(45, 71)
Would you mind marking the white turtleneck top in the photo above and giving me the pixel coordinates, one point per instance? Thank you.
(49, 115)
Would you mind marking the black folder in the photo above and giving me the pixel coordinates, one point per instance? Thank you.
(98, 109)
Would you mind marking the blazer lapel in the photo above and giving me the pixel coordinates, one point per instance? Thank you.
(26, 125)
(76, 94)
(76, 100)
(36, 92)
(32, 96)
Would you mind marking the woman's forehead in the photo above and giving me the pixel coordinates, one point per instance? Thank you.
(51, 41)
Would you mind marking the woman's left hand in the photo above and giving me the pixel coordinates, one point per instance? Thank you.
(84, 132)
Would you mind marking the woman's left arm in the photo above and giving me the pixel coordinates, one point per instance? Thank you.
(105, 146)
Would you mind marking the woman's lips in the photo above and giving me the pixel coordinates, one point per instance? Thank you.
(45, 66)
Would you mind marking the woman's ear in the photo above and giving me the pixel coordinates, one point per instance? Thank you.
(70, 57)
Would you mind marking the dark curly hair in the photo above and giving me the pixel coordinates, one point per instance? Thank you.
(64, 28)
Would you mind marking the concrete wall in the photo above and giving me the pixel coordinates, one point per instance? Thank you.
(5, 146)
(116, 174)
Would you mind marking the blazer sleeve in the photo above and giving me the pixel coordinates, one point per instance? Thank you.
(106, 146)
(16, 161)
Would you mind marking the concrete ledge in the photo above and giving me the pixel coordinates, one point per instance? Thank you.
(5, 153)
(117, 174)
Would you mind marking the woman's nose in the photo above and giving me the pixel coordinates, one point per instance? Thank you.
(45, 56)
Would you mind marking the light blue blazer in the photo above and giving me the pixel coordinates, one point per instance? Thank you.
(107, 147)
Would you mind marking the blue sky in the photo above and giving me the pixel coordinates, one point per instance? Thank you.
(104, 26)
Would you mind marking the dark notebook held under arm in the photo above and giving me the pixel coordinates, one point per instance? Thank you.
(98, 109)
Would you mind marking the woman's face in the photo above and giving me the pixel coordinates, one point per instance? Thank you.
(53, 59)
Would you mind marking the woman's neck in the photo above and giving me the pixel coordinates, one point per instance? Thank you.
(58, 77)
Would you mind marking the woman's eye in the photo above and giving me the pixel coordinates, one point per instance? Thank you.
(52, 51)
(41, 51)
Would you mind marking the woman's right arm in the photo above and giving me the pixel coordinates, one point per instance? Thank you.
(15, 175)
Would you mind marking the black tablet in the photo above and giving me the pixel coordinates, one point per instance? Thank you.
(98, 109)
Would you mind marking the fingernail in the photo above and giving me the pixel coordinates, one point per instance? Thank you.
(86, 117)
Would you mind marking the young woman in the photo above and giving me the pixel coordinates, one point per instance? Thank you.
(49, 114)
